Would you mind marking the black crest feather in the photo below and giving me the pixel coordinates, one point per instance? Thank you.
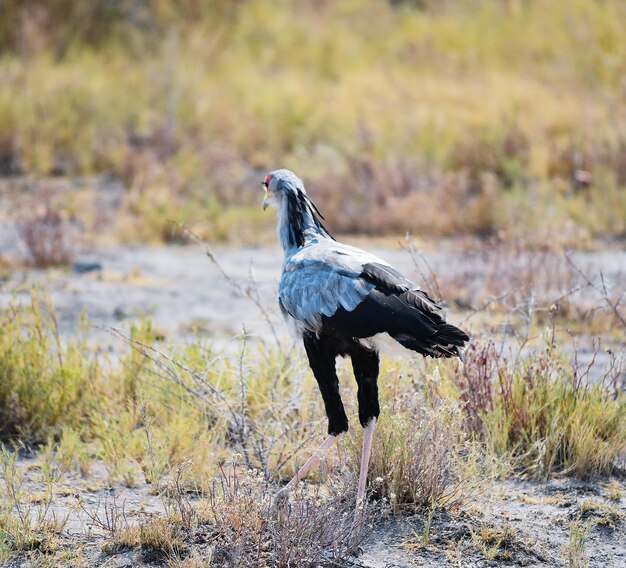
(298, 205)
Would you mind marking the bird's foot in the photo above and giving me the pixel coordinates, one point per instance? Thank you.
(357, 522)
(356, 531)
(281, 499)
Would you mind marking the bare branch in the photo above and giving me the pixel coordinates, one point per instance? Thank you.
(601, 289)
(250, 292)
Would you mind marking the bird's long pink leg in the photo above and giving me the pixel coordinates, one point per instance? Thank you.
(368, 436)
(311, 462)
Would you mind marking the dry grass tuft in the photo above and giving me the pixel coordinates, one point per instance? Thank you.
(496, 543)
(613, 492)
(602, 513)
(159, 539)
(46, 238)
(422, 458)
(542, 413)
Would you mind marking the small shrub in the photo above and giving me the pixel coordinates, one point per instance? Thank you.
(422, 457)
(27, 522)
(46, 238)
(574, 552)
(252, 529)
(541, 413)
(42, 381)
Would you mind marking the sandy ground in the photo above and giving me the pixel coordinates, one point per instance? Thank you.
(532, 518)
(183, 291)
(508, 523)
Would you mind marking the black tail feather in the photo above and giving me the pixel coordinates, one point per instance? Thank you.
(411, 321)
(447, 342)
(449, 334)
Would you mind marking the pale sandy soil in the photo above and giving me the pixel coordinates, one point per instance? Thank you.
(537, 517)
(182, 290)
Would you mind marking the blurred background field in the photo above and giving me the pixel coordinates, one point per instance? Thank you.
(437, 118)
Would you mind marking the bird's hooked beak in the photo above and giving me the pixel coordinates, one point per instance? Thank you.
(268, 191)
(266, 197)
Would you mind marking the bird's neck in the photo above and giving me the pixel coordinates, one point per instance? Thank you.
(298, 225)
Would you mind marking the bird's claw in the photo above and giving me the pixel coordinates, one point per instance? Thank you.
(281, 499)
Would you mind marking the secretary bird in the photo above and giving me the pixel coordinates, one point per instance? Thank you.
(338, 298)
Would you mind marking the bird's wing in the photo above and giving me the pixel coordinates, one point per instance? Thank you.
(318, 280)
(390, 281)
(314, 289)
(323, 277)
(397, 306)
(382, 275)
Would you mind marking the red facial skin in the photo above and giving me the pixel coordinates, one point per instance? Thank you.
(268, 179)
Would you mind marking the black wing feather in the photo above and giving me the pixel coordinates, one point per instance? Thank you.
(390, 279)
(396, 306)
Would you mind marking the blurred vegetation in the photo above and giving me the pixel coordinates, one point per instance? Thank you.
(434, 117)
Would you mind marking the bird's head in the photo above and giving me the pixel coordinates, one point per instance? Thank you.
(279, 185)
(298, 215)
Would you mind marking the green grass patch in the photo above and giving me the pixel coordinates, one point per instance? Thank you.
(542, 414)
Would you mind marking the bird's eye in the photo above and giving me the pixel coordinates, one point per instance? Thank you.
(268, 179)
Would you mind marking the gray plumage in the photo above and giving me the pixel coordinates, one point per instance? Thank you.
(321, 277)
